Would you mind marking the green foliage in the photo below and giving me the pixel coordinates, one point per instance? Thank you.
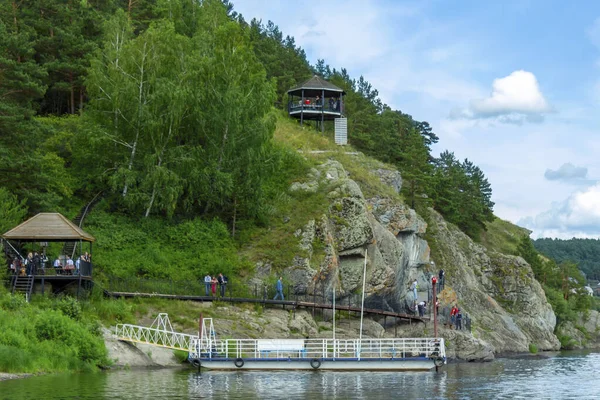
(462, 194)
(533, 349)
(180, 355)
(69, 307)
(40, 339)
(562, 283)
(584, 252)
(12, 211)
(153, 247)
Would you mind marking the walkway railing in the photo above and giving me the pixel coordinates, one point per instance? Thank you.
(160, 333)
(319, 348)
(234, 290)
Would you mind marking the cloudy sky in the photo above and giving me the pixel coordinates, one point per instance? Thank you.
(514, 86)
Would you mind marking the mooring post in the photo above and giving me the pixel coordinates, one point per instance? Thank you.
(433, 282)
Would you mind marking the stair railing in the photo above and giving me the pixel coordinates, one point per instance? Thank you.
(82, 214)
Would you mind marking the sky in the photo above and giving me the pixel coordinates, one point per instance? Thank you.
(514, 86)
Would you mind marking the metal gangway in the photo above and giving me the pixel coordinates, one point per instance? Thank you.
(160, 333)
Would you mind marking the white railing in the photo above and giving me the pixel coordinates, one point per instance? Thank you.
(319, 348)
(159, 334)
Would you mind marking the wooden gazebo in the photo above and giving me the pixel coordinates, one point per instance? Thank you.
(316, 100)
(43, 228)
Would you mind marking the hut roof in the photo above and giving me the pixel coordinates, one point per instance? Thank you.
(48, 227)
(317, 83)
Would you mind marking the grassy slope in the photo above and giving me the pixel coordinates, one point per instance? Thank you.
(291, 211)
(503, 236)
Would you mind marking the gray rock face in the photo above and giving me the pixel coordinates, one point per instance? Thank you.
(584, 333)
(386, 232)
(390, 177)
(507, 305)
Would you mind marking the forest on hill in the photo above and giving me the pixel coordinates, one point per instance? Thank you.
(584, 252)
(168, 108)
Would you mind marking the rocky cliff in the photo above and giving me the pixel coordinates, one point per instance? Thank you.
(507, 306)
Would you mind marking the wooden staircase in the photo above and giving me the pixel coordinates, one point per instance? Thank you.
(70, 247)
(23, 284)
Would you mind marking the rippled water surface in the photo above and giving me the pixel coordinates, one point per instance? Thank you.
(565, 376)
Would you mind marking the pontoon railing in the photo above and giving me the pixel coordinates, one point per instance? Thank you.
(320, 348)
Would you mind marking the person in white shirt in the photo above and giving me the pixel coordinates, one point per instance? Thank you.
(70, 266)
(207, 282)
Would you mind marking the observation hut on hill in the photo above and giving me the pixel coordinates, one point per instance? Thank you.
(316, 100)
(34, 235)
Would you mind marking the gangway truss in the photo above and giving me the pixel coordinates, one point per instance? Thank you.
(160, 333)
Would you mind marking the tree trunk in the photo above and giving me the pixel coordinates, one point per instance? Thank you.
(223, 143)
(234, 216)
(162, 152)
(72, 93)
(80, 100)
(138, 127)
(14, 8)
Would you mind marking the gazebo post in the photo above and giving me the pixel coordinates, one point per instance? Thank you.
(302, 109)
(322, 110)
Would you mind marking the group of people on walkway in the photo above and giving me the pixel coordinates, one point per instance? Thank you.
(211, 282)
(35, 264)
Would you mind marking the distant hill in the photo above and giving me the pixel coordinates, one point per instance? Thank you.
(585, 252)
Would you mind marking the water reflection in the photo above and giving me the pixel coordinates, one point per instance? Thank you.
(567, 376)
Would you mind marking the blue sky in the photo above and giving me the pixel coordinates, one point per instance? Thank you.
(513, 86)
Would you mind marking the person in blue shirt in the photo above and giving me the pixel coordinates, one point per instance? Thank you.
(279, 287)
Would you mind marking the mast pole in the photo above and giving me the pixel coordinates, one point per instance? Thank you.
(334, 318)
(362, 305)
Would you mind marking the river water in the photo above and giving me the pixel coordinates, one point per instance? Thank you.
(567, 375)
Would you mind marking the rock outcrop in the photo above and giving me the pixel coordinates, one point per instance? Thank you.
(387, 233)
(507, 306)
(583, 333)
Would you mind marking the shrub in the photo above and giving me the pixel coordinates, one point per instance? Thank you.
(533, 349)
(69, 307)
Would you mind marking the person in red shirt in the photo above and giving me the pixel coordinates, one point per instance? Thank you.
(453, 313)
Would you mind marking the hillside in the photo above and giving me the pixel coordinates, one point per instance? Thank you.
(584, 252)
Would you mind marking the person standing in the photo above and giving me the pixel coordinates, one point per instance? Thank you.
(459, 317)
(279, 288)
(222, 282)
(78, 264)
(29, 264)
(70, 266)
(414, 286)
(58, 265)
(453, 316)
(213, 285)
(422, 306)
(207, 281)
(441, 277)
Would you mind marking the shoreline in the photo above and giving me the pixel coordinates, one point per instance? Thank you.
(5, 376)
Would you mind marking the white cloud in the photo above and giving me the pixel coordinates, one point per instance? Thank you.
(515, 99)
(578, 215)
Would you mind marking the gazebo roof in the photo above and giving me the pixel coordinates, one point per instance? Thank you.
(48, 227)
(317, 83)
